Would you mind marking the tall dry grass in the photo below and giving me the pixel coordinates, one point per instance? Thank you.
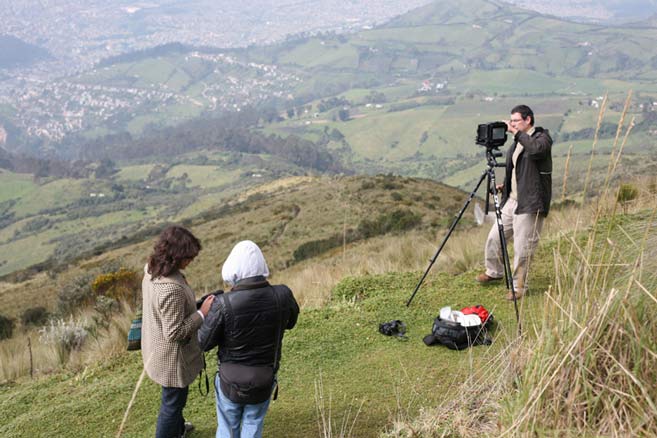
(591, 368)
(586, 366)
(471, 407)
(312, 282)
(331, 424)
(47, 356)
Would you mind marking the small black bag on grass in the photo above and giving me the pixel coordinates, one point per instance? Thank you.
(393, 328)
(455, 336)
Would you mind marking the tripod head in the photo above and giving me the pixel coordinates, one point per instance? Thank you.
(491, 157)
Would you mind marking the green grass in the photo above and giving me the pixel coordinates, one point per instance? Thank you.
(441, 38)
(15, 185)
(373, 135)
(508, 81)
(25, 252)
(171, 114)
(152, 71)
(325, 53)
(134, 172)
(40, 246)
(338, 346)
(400, 91)
(53, 194)
(205, 176)
(202, 204)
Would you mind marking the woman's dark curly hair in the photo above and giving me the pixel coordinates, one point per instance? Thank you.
(174, 246)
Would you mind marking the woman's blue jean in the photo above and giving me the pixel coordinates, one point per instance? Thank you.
(170, 421)
(235, 420)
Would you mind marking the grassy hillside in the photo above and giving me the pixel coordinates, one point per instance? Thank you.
(293, 219)
(435, 73)
(67, 217)
(366, 378)
(339, 373)
(420, 66)
(485, 34)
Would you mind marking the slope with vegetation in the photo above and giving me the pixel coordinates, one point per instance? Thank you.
(588, 339)
(294, 219)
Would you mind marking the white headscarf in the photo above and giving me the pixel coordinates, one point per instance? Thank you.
(244, 261)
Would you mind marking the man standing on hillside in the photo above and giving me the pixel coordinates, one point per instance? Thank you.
(526, 195)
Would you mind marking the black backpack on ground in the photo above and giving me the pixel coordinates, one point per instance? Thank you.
(455, 336)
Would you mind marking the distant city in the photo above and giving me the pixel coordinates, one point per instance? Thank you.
(71, 37)
(79, 34)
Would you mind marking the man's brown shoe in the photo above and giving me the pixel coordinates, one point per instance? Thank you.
(519, 294)
(485, 278)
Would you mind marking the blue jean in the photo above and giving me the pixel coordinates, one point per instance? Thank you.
(235, 420)
(170, 421)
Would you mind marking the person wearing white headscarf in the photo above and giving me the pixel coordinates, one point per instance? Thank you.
(247, 324)
(244, 261)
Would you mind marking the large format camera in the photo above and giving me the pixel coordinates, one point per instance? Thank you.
(491, 135)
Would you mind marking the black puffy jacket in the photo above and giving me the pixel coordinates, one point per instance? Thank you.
(252, 332)
(533, 172)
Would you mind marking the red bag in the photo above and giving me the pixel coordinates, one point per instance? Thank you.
(479, 310)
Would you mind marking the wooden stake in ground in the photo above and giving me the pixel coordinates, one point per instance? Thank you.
(132, 400)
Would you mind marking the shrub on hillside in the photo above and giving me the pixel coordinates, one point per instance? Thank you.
(66, 335)
(121, 285)
(6, 327)
(75, 294)
(315, 247)
(626, 194)
(35, 316)
(390, 184)
(395, 221)
(106, 307)
(367, 185)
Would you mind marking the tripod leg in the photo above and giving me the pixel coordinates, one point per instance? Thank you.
(449, 233)
(508, 273)
(500, 226)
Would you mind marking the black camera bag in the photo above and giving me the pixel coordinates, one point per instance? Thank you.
(455, 336)
(246, 384)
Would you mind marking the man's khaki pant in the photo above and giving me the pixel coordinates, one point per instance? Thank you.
(524, 230)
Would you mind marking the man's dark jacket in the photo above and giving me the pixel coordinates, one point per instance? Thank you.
(253, 332)
(533, 172)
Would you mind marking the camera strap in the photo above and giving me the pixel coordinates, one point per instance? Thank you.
(279, 339)
(200, 377)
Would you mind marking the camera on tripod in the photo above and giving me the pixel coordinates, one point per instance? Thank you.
(491, 135)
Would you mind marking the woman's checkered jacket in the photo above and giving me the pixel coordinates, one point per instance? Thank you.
(170, 350)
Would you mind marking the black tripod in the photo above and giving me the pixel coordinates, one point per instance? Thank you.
(489, 174)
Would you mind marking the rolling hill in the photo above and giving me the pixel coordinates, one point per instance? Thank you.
(404, 97)
(292, 219)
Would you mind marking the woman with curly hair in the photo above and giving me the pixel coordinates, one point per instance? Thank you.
(170, 350)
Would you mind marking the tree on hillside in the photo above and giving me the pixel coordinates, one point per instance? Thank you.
(343, 115)
(6, 327)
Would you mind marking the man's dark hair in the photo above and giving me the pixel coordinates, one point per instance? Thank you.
(174, 245)
(524, 111)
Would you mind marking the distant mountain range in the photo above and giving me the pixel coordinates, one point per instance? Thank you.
(609, 11)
